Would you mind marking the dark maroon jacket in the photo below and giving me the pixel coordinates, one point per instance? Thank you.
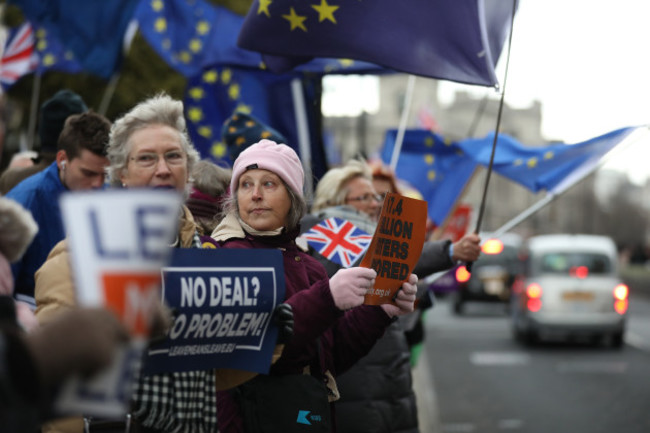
(315, 315)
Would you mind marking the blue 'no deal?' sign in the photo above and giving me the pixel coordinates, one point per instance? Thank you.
(223, 300)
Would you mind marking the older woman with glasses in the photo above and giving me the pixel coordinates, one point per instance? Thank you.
(149, 148)
(347, 192)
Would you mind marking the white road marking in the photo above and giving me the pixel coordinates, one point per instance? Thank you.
(510, 424)
(499, 358)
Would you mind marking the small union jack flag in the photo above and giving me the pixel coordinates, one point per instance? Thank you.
(19, 57)
(338, 240)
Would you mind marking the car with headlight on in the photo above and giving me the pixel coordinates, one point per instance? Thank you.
(491, 277)
(570, 288)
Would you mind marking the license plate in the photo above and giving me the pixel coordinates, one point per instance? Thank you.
(578, 296)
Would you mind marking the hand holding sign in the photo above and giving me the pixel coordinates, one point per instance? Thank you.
(395, 247)
(404, 299)
(349, 286)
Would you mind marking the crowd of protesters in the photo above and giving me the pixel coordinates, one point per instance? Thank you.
(326, 330)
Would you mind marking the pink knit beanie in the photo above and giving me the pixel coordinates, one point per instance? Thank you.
(269, 155)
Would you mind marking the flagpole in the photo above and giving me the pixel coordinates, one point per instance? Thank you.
(33, 111)
(408, 98)
(300, 113)
(108, 93)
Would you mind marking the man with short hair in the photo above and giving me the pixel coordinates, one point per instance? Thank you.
(79, 165)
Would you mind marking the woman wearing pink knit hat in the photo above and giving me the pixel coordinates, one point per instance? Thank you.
(332, 329)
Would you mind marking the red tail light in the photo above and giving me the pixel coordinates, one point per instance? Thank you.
(534, 295)
(621, 293)
(462, 275)
(579, 271)
(534, 291)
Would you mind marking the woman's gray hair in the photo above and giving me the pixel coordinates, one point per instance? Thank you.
(297, 210)
(333, 186)
(158, 110)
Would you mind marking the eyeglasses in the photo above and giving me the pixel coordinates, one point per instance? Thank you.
(367, 198)
(173, 158)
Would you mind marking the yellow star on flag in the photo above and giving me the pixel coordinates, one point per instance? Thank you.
(68, 55)
(49, 60)
(203, 27)
(195, 114)
(431, 175)
(346, 63)
(41, 45)
(218, 150)
(166, 44)
(196, 93)
(234, 91)
(195, 45)
(549, 155)
(157, 5)
(244, 108)
(205, 131)
(517, 162)
(428, 141)
(325, 11)
(185, 57)
(296, 21)
(160, 24)
(263, 8)
(210, 76)
(226, 76)
(531, 163)
(428, 158)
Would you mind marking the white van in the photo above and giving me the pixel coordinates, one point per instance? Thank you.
(570, 286)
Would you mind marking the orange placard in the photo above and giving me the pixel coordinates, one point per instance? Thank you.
(132, 297)
(396, 246)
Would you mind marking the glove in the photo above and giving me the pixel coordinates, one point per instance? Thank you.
(404, 300)
(81, 341)
(283, 319)
(349, 286)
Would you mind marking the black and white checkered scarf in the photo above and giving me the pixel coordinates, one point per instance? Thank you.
(183, 402)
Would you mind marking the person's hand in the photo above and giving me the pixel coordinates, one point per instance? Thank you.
(349, 286)
(404, 301)
(283, 319)
(80, 341)
(467, 249)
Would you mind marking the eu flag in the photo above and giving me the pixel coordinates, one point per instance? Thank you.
(444, 39)
(191, 35)
(218, 92)
(543, 167)
(437, 168)
(92, 30)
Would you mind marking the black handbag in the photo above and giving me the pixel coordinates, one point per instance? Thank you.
(293, 403)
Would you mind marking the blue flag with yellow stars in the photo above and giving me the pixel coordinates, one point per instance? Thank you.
(92, 30)
(191, 35)
(53, 55)
(544, 167)
(213, 96)
(438, 169)
(445, 39)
